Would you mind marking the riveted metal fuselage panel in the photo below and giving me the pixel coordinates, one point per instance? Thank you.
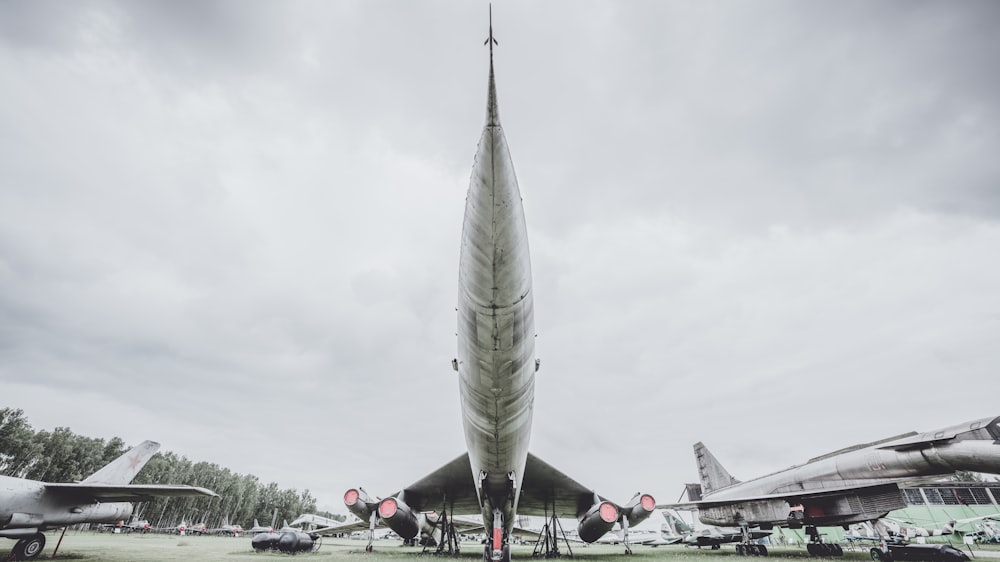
(496, 347)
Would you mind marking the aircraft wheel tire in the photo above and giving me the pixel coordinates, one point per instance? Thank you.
(740, 550)
(29, 549)
(761, 550)
(879, 556)
(714, 547)
(837, 550)
(369, 548)
(505, 557)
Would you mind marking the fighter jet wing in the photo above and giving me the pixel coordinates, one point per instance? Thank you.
(126, 492)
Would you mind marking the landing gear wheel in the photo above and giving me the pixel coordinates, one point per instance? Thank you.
(837, 550)
(369, 548)
(486, 553)
(878, 555)
(715, 547)
(317, 543)
(505, 557)
(740, 549)
(30, 548)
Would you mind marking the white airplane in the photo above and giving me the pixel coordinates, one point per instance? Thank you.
(28, 507)
(496, 478)
(655, 531)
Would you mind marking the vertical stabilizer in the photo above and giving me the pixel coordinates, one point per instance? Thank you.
(677, 525)
(123, 469)
(712, 475)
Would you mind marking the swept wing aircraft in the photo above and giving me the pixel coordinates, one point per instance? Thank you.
(28, 507)
(859, 483)
(497, 477)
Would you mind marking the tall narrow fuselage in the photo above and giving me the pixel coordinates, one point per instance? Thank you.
(496, 346)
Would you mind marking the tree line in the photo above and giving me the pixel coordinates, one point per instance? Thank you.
(63, 456)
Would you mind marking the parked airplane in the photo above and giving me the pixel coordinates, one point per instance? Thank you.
(497, 477)
(258, 528)
(855, 484)
(892, 530)
(193, 529)
(312, 519)
(714, 537)
(227, 529)
(133, 525)
(29, 507)
(655, 531)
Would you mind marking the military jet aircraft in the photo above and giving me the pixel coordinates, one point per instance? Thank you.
(714, 537)
(29, 507)
(855, 484)
(227, 529)
(893, 530)
(133, 525)
(497, 477)
(258, 528)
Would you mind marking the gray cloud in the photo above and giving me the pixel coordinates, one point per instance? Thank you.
(222, 217)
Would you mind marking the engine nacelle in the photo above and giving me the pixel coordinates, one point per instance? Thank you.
(597, 521)
(359, 503)
(399, 517)
(639, 508)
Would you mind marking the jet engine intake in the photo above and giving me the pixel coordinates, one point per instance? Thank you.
(597, 521)
(639, 508)
(399, 517)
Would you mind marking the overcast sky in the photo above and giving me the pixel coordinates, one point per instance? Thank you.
(233, 228)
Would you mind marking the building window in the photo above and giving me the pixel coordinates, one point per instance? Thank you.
(980, 496)
(933, 496)
(913, 496)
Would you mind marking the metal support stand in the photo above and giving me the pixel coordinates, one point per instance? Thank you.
(628, 547)
(449, 538)
(59, 542)
(547, 544)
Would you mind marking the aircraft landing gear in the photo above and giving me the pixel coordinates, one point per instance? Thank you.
(751, 549)
(879, 555)
(29, 548)
(504, 554)
(746, 546)
(816, 546)
(371, 532)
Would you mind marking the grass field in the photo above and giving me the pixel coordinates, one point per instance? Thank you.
(87, 546)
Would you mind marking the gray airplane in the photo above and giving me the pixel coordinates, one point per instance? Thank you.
(852, 485)
(497, 477)
(29, 507)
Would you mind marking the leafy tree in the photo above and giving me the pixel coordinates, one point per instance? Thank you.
(17, 448)
(63, 456)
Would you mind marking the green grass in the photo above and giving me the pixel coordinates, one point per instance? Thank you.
(87, 546)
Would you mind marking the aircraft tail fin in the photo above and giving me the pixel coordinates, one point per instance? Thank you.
(123, 469)
(676, 524)
(711, 473)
